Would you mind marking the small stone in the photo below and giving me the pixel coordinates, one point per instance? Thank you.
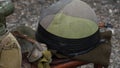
(110, 11)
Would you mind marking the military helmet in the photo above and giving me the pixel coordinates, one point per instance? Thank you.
(69, 27)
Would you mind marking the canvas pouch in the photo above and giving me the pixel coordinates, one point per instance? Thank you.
(10, 52)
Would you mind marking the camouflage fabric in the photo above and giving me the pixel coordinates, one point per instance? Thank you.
(10, 52)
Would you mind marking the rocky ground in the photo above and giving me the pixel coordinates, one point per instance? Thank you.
(27, 12)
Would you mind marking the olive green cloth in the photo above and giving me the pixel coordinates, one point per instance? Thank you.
(45, 60)
(99, 55)
(72, 27)
(10, 52)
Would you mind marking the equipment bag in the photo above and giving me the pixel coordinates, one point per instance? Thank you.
(10, 52)
(69, 27)
(33, 52)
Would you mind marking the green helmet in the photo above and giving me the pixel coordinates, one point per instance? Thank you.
(70, 25)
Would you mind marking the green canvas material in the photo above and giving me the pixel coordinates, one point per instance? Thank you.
(71, 27)
(99, 55)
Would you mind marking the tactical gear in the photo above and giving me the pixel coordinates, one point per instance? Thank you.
(36, 52)
(69, 27)
(10, 52)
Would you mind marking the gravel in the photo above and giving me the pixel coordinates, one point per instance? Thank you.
(27, 12)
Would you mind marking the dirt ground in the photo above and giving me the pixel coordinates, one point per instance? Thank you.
(27, 12)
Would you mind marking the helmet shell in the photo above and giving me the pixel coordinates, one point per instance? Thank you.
(70, 25)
